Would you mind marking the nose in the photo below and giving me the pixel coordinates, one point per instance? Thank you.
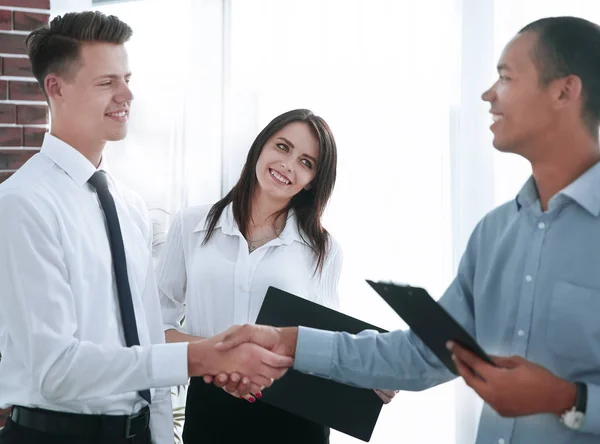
(285, 167)
(124, 94)
(489, 95)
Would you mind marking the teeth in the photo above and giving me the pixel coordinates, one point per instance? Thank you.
(496, 117)
(279, 177)
(121, 114)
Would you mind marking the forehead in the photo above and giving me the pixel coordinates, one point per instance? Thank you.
(301, 136)
(100, 58)
(518, 54)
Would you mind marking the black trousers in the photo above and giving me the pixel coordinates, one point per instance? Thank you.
(213, 416)
(16, 434)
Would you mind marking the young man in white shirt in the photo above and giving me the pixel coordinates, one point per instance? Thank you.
(83, 353)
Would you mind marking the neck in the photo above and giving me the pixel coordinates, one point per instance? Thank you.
(91, 149)
(564, 160)
(264, 210)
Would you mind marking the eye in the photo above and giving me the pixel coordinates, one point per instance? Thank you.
(127, 81)
(504, 78)
(283, 147)
(307, 163)
(105, 84)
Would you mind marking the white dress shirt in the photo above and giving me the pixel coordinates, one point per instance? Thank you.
(61, 336)
(221, 284)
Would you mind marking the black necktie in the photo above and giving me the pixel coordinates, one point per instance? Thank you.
(115, 239)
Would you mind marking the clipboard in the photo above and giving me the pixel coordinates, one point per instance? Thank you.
(429, 321)
(345, 408)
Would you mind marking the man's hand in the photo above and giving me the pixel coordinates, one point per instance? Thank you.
(259, 365)
(516, 387)
(279, 340)
(385, 395)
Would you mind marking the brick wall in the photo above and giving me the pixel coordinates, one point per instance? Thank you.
(23, 111)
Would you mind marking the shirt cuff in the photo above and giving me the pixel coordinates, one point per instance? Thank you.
(169, 364)
(314, 351)
(591, 424)
(172, 326)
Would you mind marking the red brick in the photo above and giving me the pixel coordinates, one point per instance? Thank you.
(33, 137)
(24, 91)
(38, 4)
(3, 176)
(12, 43)
(28, 21)
(14, 159)
(3, 89)
(11, 136)
(7, 113)
(13, 66)
(5, 20)
(32, 114)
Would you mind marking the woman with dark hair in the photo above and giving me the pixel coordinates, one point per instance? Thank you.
(219, 261)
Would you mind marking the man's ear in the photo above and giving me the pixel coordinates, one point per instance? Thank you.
(566, 91)
(53, 85)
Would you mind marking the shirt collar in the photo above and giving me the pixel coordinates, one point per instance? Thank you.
(528, 194)
(71, 161)
(585, 190)
(228, 226)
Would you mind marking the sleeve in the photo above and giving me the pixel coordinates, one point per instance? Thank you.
(161, 409)
(395, 360)
(38, 312)
(172, 277)
(592, 414)
(330, 277)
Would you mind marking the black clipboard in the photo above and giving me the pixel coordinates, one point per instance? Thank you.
(345, 408)
(429, 321)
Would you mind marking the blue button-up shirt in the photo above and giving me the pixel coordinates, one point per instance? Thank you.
(529, 285)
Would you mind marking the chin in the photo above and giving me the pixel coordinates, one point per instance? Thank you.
(502, 145)
(115, 137)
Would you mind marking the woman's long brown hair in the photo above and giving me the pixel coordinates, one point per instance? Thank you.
(309, 205)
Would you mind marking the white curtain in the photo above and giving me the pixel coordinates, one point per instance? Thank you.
(172, 155)
(399, 81)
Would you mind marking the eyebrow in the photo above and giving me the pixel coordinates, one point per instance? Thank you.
(111, 76)
(503, 67)
(311, 158)
(287, 141)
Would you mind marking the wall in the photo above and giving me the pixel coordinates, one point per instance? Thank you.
(23, 111)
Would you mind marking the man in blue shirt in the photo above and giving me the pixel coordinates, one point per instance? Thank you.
(528, 285)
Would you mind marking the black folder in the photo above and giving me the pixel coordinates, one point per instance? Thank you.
(350, 410)
(428, 320)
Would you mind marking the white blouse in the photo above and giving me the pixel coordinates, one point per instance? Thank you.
(220, 284)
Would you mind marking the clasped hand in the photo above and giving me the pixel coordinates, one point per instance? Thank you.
(280, 341)
(259, 365)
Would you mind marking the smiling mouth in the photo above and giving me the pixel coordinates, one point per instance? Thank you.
(120, 115)
(280, 177)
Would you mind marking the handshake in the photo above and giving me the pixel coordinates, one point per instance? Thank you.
(244, 359)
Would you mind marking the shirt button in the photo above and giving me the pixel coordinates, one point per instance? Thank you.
(528, 278)
(541, 225)
(501, 441)
(521, 333)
